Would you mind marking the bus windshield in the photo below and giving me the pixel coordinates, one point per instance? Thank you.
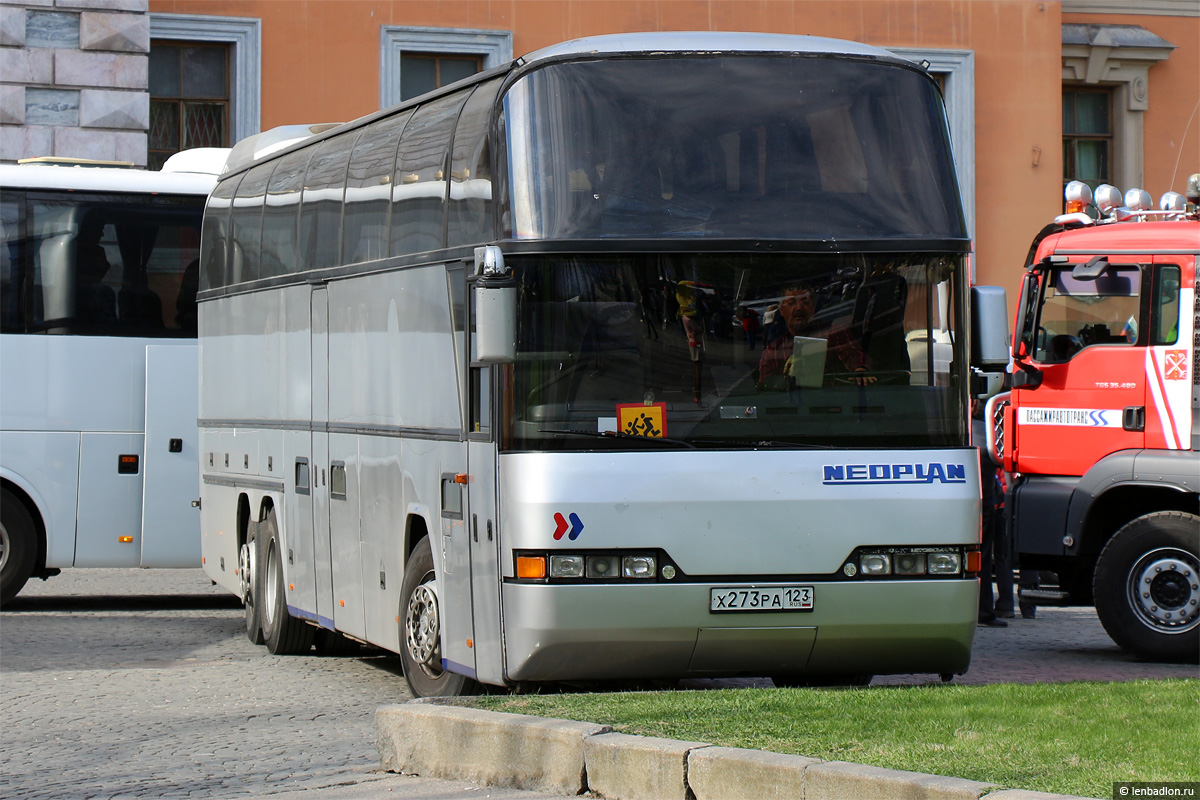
(729, 146)
(734, 350)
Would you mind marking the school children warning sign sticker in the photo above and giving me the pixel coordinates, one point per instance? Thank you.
(640, 419)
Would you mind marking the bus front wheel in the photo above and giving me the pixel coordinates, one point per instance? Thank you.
(18, 545)
(421, 631)
(283, 633)
(1147, 586)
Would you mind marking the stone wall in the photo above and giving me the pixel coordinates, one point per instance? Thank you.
(73, 79)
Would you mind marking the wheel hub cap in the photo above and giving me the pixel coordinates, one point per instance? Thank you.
(422, 628)
(1165, 589)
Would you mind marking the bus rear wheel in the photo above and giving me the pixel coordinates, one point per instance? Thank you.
(421, 631)
(283, 633)
(1147, 587)
(247, 572)
(18, 545)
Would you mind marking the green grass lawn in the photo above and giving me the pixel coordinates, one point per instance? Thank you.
(1069, 738)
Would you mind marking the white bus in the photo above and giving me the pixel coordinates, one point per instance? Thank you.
(98, 277)
(617, 362)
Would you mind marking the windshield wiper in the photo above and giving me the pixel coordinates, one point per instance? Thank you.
(619, 435)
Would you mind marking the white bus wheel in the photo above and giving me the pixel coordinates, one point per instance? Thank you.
(284, 634)
(18, 546)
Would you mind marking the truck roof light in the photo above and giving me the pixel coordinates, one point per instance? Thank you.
(1172, 201)
(1107, 197)
(1078, 196)
(1138, 200)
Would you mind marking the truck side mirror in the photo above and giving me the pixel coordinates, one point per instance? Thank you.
(989, 328)
(495, 308)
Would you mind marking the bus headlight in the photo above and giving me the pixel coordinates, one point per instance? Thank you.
(909, 563)
(944, 563)
(638, 566)
(602, 567)
(876, 564)
(566, 566)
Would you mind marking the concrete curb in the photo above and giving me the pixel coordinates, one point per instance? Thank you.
(554, 755)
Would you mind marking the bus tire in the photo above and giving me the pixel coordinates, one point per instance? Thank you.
(18, 545)
(283, 633)
(421, 631)
(248, 572)
(1147, 587)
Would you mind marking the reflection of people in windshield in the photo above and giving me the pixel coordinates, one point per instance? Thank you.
(795, 318)
(693, 327)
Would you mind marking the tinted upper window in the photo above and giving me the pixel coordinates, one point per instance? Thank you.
(100, 265)
(280, 215)
(470, 214)
(734, 146)
(368, 191)
(216, 234)
(419, 188)
(246, 220)
(321, 207)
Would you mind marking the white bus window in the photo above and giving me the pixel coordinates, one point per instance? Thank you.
(368, 191)
(215, 241)
(470, 214)
(321, 206)
(246, 220)
(419, 188)
(103, 266)
(279, 215)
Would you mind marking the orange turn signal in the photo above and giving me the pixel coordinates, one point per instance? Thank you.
(974, 561)
(531, 567)
(124, 539)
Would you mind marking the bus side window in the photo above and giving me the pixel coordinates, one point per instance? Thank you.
(246, 222)
(279, 215)
(419, 188)
(215, 236)
(321, 202)
(368, 191)
(470, 214)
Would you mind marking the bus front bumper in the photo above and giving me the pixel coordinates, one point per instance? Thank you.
(628, 631)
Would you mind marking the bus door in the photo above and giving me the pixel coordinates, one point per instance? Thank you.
(320, 456)
(170, 525)
(483, 529)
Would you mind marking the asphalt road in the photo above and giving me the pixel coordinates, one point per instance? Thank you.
(141, 684)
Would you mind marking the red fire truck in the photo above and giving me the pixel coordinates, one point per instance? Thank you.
(1100, 429)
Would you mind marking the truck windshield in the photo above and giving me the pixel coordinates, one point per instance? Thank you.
(729, 146)
(733, 350)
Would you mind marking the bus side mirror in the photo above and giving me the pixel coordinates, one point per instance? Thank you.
(495, 308)
(989, 329)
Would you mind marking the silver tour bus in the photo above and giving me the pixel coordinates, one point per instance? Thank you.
(644, 356)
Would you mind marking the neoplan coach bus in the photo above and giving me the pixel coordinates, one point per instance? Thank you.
(643, 356)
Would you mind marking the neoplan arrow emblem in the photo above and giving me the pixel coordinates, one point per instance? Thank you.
(576, 526)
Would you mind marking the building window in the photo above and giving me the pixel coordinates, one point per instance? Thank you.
(424, 72)
(413, 61)
(1087, 136)
(189, 98)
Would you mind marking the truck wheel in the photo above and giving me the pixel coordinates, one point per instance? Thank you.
(283, 633)
(247, 572)
(1147, 586)
(18, 545)
(421, 631)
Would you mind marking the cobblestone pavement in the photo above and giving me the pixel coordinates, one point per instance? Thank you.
(141, 684)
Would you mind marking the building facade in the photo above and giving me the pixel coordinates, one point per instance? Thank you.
(1037, 92)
